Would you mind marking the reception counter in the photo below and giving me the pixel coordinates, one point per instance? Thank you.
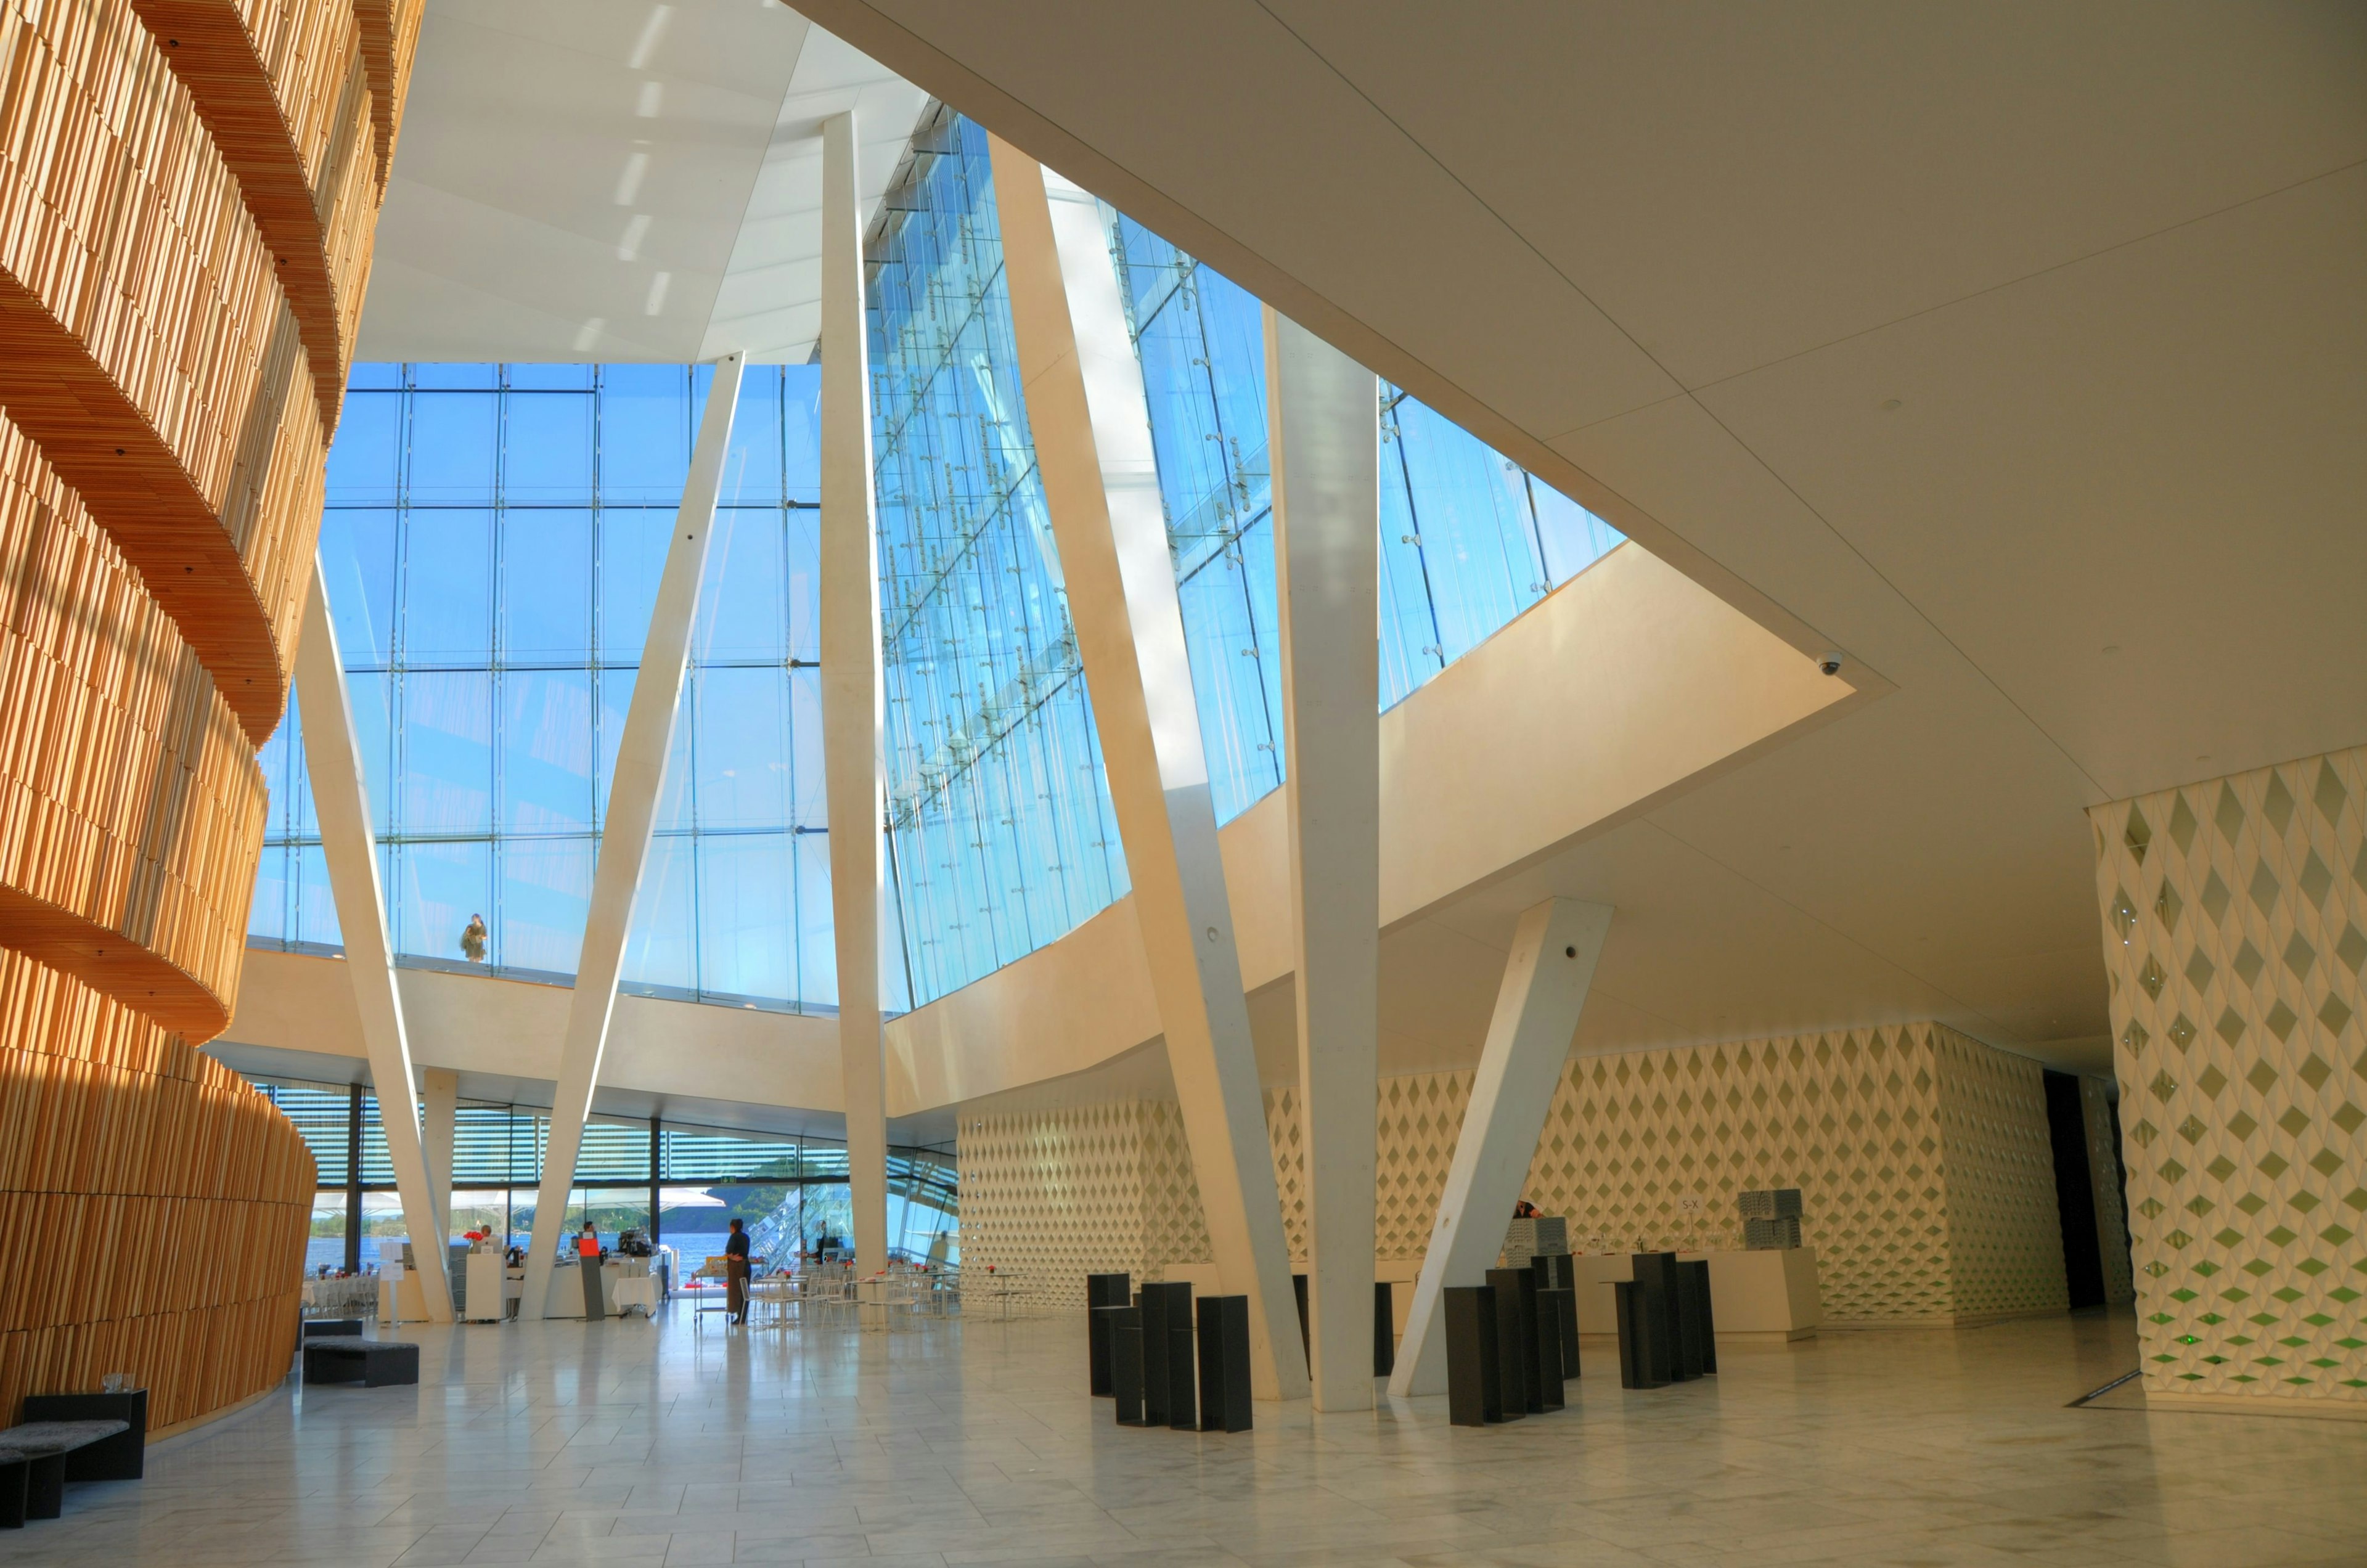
(1769, 1296)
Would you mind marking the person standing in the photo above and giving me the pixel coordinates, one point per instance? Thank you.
(736, 1272)
(587, 1262)
(472, 940)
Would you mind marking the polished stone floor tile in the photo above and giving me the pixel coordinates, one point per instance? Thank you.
(972, 1444)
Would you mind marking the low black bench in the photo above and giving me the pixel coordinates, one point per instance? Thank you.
(374, 1363)
(33, 1465)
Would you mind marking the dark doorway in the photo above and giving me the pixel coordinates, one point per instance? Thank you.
(2075, 1191)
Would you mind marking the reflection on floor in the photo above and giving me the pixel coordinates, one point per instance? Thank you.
(976, 1443)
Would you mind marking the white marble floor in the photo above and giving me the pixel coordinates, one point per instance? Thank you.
(975, 1443)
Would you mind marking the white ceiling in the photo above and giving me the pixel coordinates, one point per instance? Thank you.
(619, 180)
(2021, 352)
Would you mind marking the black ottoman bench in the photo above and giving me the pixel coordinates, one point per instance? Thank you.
(33, 1465)
(374, 1363)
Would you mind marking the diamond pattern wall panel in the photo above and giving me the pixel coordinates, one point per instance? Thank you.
(1922, 1154)
(2005, 1228)
(1050, 1197)
(2235, 934)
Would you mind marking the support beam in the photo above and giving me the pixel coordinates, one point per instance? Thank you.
(439, 1092)
(853, 698)
(1545, 978)
(341, 798)
(625, 834)
(1092, 425)
(1323, 441)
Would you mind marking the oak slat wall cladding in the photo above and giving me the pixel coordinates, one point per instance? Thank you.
(131, 806)
(285, 92)
(120, 1142)
(146, 344)
(188, 196)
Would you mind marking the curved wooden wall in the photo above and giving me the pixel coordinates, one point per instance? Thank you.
(189, 193)
(131, 810)
(152, 1208)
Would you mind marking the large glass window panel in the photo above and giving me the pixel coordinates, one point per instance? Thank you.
(546, 609)
(493, 543)
(546, 897)
(662, 952)
(740, 771)
(357, 560)
(269, 911)
(366, 463)
(438, 888)
(547, 449)
(747, 902)
(447, 588)
(989, 726)
(742, 615)
(546, 751)
(632, 558)
(1467, 540)
(645, 431)
(448, 754)
(453, 444)
(315, 917)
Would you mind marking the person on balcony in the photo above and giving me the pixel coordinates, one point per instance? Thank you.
(472, 940)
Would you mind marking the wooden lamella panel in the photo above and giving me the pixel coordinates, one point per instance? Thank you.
(146, 344)
(390, 43)
(131, 810)
(284, 88)
(122, 1142)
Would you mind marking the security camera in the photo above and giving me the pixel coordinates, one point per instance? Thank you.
(1829, 663)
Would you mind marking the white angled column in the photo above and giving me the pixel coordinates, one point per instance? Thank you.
(853, 703)
(1545, 978)
(1323, 440)
(1092, 425)
(341, 798)
(625, 834)
(439, 1094)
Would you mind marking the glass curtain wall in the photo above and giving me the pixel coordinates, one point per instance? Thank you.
(1000, 829)
(704, 1177)
(1468, 540)
(492, 542)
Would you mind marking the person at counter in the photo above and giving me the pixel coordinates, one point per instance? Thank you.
(736, 1272)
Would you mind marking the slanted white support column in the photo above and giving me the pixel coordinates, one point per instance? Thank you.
(1323, 440)
(1092, 425)
(341, 797)
(440, 1093)
(852, 699)
(625, 836)
(1545, 979)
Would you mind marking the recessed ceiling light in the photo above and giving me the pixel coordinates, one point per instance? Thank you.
(1890, 403)
(2112, 648)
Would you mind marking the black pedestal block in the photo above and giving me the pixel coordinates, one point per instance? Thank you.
(1167, 1356)
(1475, 1388)
(1125, 1364)
(1385, 1329)
(1165, 1308)
(1102, 1291)
(1643, 1337)
(1224, 1334)
(1560, 1308)
(1658, 1272)
(1516, 1338)
(1699, 1273)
